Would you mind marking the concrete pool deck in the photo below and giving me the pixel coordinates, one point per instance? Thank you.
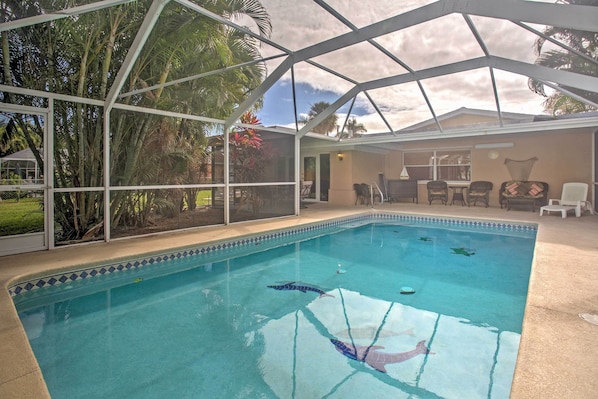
(558, 354)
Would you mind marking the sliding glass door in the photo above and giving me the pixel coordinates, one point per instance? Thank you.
(316, 168)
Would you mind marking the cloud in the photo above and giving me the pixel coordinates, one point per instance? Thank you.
(302, 23)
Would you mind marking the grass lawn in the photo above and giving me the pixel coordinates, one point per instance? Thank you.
(203, 197)
(25, 216)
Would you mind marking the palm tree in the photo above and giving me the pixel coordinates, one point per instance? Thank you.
(585, 43)
(353, 128)
(12, 136)
(82, 56)
(325, 127)
(178, 48)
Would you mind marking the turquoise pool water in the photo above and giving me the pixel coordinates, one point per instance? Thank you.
(224, 326)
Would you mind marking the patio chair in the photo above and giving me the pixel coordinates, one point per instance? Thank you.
(479, 191)
(365, 192)
(362, 193)
(573, 198)
(306, 189)
(437, 190)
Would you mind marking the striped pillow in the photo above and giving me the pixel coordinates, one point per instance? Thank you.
(512, 188)
(535, 189)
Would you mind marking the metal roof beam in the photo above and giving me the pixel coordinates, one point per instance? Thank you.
(387, 53)
(198, 76)
(572, 16)
(378, 111)
(216, 17)
(584, 82)
(571, 94)
(328, 111)
(542, 73)
(153, 13)
(563, 15)
(67, 12)
(447, 69)
(332, 71)
(482, 44)
(393, 24)
(46, 94)
(556, 42)
(260, 90)
(570, 79)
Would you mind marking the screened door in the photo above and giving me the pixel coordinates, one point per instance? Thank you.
(22, 184)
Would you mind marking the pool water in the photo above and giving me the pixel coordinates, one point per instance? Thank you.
(319, 318)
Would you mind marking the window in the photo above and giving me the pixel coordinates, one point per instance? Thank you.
(450, 165)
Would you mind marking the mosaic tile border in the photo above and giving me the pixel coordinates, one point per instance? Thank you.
(107, 269)
(475, 223)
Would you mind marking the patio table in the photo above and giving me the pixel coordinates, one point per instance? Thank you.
(458, 193)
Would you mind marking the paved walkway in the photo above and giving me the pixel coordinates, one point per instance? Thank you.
(558, 355)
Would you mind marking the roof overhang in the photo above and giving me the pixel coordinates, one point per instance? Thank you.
(386, 143)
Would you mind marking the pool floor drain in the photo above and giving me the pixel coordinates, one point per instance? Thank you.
(591, 318)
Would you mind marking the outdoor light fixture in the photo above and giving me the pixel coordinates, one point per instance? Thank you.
(493, 154)
(340, 156)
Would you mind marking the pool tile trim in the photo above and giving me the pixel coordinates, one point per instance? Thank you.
(129, 264)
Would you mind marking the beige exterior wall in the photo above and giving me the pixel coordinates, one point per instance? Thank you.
(562, 157)
(356, 167)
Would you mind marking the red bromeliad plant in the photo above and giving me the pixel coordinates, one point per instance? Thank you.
(249, 155)
(249, 158)
(246, 137)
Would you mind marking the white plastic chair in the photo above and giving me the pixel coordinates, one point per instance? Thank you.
(573, 198)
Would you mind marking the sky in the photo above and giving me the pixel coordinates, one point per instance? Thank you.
(278, 103)
(301, 23)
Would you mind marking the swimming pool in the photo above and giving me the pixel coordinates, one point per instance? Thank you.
(211, 319)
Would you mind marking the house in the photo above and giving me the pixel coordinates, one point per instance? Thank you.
(21, 163)
(563, 154)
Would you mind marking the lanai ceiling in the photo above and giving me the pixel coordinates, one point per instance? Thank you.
(390, 65)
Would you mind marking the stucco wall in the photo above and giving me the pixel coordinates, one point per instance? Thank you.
(356, 167)
(562, 157)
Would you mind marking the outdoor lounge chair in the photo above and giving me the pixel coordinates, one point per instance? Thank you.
(479, 191)
(573, 198)
(437, 190)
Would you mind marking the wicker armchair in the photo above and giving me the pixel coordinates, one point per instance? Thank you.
(437, 190)
(479, 191)
(362, 193)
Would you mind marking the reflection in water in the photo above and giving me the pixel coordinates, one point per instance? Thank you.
(219, 331)
(464, 360)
